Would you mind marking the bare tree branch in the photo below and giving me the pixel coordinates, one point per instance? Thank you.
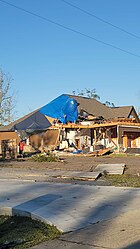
(89, 93)
(6, 98)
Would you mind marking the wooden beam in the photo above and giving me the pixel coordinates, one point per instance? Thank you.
(111, 140)
(97, 138)
(80, 126)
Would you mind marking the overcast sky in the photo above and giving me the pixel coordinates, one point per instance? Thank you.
(51, 48)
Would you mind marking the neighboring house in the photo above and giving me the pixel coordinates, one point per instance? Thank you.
(97, 125)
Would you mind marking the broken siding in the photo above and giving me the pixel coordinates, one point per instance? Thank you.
(48, 139)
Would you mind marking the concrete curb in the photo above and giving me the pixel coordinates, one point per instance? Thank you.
(9, 211)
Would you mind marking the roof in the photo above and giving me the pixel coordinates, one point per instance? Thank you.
(62, 108)
(9, 126)
(91, 106)
(97, 109)
(122, 111)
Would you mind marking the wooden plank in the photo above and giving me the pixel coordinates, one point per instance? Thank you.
(104, 151)
(76, 175)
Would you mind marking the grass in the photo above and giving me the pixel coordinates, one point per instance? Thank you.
(123, 180)
(22, 232)
(122, 155)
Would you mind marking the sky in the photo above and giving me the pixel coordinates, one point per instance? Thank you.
(50, 48)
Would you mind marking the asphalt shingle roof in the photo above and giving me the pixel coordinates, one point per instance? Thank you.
(122, 111)
(96, 108)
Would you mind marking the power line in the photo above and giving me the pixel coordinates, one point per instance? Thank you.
(69, 29)
(100, 19)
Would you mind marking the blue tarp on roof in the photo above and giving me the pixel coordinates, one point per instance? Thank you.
(62, 108)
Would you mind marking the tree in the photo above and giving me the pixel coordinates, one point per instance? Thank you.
(109, 104)
(7, 102)
(89, 93)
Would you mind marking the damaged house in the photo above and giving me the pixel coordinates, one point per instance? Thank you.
(116, 127)
(71, 123)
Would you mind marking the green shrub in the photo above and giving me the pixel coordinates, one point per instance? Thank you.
(50, 157)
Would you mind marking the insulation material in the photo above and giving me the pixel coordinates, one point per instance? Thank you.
(51, 120)
(71, 137)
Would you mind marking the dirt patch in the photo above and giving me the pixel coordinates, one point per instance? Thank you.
(80, 163)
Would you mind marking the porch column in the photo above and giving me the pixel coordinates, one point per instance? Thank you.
(95, 137)
(119, 139)
(91, 136)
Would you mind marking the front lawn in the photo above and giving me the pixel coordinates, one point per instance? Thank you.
(22, 232)
(123, 180)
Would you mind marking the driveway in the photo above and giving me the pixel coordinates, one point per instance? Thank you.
(67, 206)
